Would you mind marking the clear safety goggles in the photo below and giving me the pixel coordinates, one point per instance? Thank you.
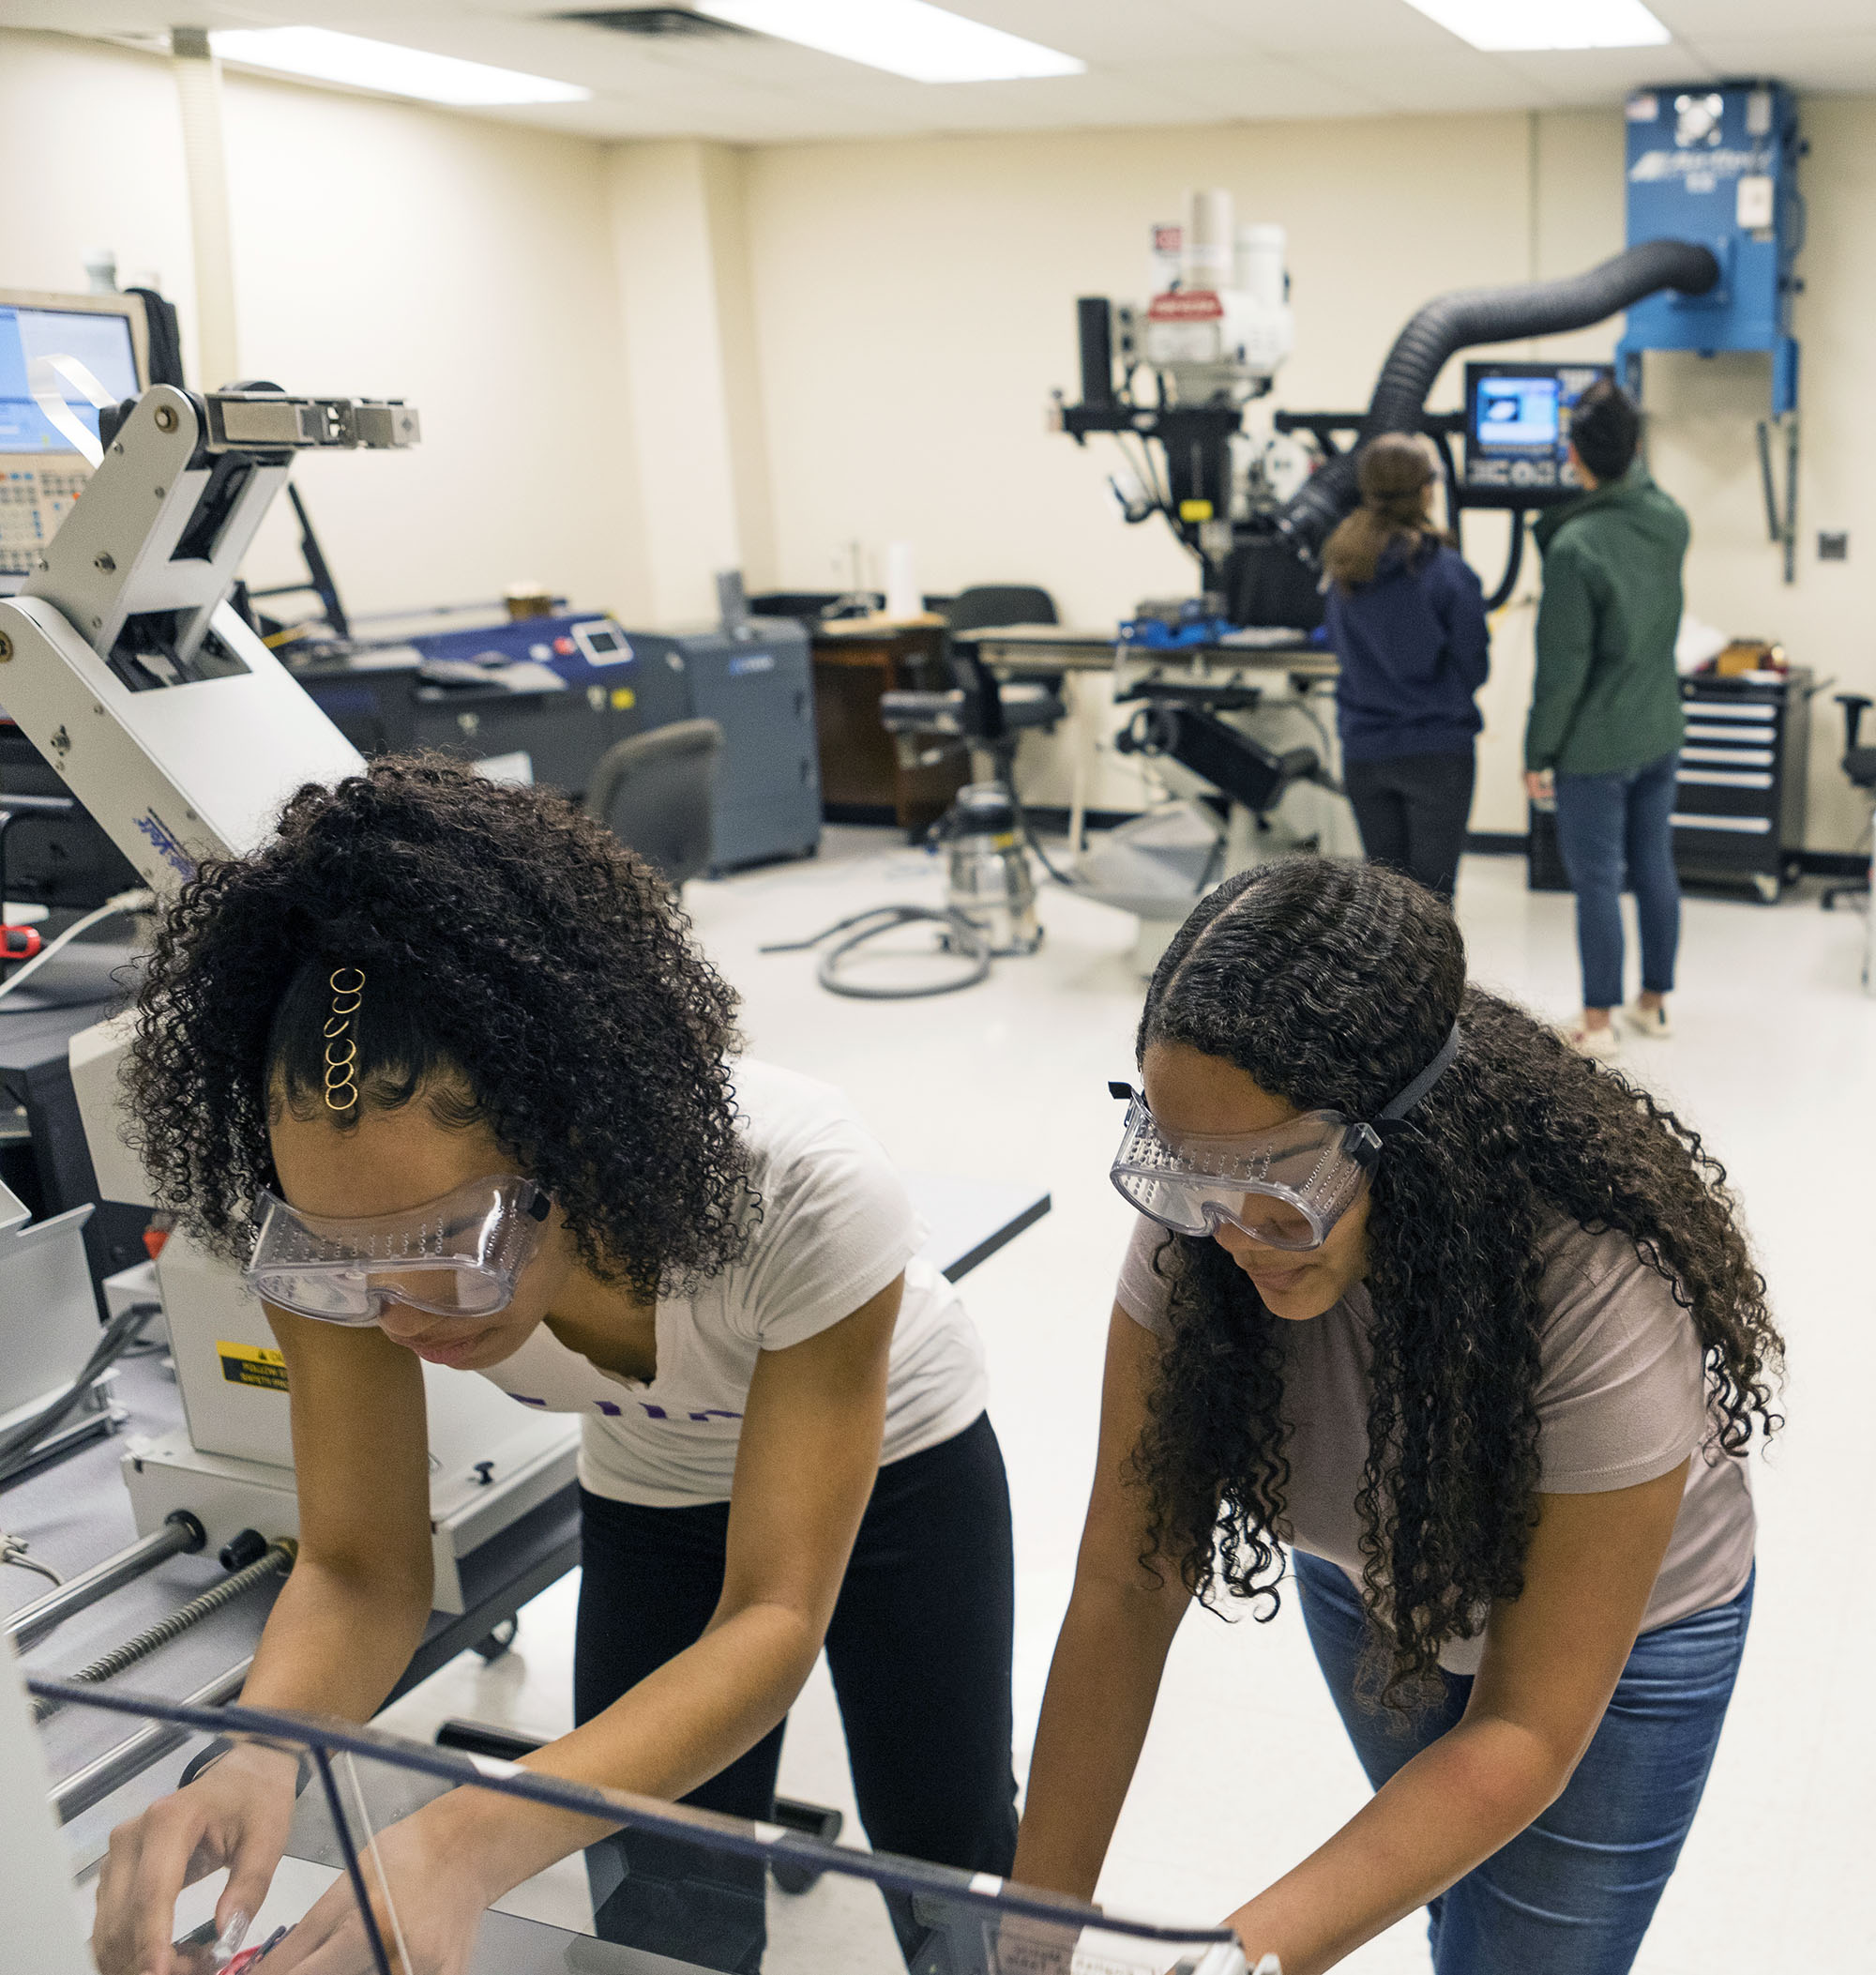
(1285, 1187)
(461, 1255)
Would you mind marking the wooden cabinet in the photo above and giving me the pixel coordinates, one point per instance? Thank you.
(861, 774)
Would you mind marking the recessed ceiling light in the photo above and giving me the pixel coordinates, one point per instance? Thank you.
(909, 37)
(1499, 24)
(327, 56)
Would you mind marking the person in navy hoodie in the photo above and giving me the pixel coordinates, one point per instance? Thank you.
(1406, 620)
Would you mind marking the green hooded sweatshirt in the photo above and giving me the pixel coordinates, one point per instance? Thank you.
(1607, 697)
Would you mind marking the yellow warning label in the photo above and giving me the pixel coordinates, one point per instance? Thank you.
(1195, 511)
(252, 1364)
(623, 699)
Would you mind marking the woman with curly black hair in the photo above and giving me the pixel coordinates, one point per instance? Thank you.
(1468, 1326)
(441, 1068)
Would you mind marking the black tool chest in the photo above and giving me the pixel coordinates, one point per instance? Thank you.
(1739, 809)
(1739, 806)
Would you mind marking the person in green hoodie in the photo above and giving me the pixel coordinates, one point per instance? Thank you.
(1604, 730)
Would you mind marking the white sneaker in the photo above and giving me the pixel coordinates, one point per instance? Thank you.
(1600, 1043)
(1649, 1021)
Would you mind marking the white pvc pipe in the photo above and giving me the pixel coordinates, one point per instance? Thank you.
(198, 78)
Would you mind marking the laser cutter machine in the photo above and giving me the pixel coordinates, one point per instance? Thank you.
(123, 663)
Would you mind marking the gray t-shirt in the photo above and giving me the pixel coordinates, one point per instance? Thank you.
(1621, 1400)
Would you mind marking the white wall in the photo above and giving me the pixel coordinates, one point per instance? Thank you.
(380, 249)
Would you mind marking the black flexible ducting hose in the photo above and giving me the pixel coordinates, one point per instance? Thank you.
(1477, 315)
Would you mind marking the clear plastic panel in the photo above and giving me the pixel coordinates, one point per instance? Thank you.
(668, 1892)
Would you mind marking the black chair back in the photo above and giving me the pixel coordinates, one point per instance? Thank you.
(996, 603)
(653, 791)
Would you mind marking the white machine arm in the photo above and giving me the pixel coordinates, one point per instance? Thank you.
(122, 661)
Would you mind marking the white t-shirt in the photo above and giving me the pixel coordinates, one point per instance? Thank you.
(837, 1226)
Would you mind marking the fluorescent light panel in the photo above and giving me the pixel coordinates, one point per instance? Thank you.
(1510, 24)
(326, 55)
(909, 37)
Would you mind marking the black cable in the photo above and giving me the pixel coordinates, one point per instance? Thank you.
(1029, 836)
(17, 1445)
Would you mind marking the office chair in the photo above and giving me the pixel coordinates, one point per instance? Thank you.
(653, 791)
(1860, 764)
(976, 713)
(980, 712)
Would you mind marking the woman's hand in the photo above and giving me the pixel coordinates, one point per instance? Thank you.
(1540, 784)
(235, 1814)
(443, 1869)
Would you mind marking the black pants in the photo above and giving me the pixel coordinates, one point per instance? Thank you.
(1411, 812)
(919, 1647)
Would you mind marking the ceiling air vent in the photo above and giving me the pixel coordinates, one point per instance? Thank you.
(651, 22)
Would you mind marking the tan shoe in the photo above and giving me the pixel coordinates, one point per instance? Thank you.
(1653, 1021)
(1600, 1043)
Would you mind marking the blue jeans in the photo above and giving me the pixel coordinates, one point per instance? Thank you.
(1607, 825)
(1573, 1894)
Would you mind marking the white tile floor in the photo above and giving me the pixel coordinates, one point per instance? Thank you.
(1247, 1767)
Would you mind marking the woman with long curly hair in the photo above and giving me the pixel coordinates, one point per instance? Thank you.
(1466, 1327)
(441, 1066)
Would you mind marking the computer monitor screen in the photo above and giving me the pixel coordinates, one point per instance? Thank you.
(1517, 431)
(41, 472)
(101, 343)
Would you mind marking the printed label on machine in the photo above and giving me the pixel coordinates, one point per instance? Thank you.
(252, 1364)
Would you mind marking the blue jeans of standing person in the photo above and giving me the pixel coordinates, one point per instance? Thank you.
(1609, 826)
(1572, 1893)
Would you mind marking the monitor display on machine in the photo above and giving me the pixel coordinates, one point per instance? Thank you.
(101, 343)
(41, 472)
(1517, 431)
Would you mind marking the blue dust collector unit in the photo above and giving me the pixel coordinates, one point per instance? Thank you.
(1717, 164)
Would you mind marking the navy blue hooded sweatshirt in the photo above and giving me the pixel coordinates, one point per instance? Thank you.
(1414, 650)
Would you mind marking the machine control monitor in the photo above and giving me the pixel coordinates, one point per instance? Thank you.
(1518, 430)
(41, 472)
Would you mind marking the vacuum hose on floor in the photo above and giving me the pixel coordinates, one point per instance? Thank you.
(1477, 315)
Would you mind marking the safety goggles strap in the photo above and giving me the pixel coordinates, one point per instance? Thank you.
(1391, 1114)
(1394, 1113)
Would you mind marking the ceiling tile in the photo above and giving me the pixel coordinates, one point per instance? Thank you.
(1327, 28)
(1260, 88)
(1066, 102)
(1406, 79)
(1832, 64)
(1702, 19)
(1606, 75)
(1121, 33)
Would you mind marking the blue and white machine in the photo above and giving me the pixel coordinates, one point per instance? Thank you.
(1718, 164)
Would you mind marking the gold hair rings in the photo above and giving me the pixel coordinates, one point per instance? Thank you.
(341, 1082)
